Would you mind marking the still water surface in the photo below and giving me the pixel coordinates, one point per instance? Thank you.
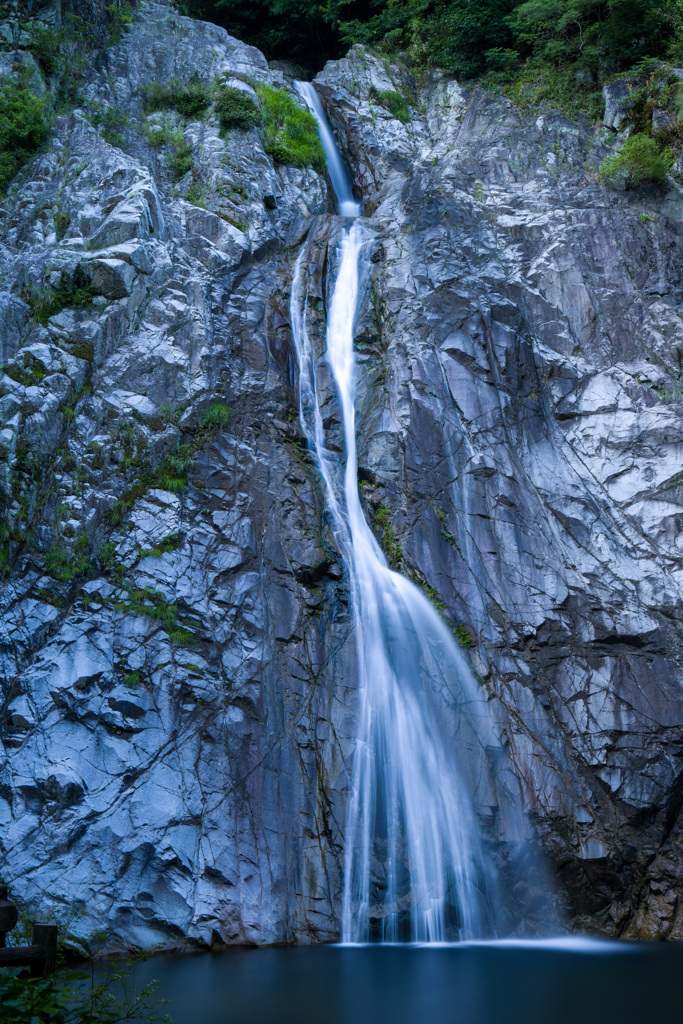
(469, 984)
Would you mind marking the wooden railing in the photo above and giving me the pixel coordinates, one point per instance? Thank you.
(40, 956)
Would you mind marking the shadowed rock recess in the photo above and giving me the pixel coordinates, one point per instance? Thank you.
(177, 666)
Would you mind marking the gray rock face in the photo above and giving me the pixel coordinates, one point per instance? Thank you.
(527, 440)
(178, 677)
(174, 743)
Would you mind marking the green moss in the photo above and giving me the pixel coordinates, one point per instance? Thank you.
(61, 220)
(393, 101)
(432, 596)
(639, 161)
(83, 350)
(236, 109)
(290, 133)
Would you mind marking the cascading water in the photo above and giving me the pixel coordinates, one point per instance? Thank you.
(416, 867)
(348, 207)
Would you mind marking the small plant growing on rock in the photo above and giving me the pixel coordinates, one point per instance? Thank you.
(110, 121)
(190, 99)
(640, 161)
(217, 415)
(75, 292)
(393, 102)
(120, 14)
(65, 567)
(236, 109)
(463, 637)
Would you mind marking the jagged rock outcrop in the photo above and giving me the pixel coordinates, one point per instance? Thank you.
(177, 703)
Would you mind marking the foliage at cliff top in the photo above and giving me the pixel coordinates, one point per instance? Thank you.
(562, 50)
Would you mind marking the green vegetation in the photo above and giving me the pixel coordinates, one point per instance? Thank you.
(191, 99)
(180, 155)
(463, 637)
(390, 545)
(639, 161)
(216, 416)
(562, 51)
(64, 566)
(236, 109)
(25, 122)
(169, 543)
(120, 14)
(74, 292)
(180, 158)
(394, 103)
(290, 133)
(63, 53)
(75, 997)
(152, 604)
(172, 474)
(110, 121)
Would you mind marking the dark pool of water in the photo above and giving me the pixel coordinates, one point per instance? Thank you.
(601, 984)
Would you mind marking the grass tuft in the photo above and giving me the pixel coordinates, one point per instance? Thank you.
(290, 133)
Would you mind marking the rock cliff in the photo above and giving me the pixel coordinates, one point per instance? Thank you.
(177, 704)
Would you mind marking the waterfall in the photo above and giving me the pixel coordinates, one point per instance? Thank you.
(348, 207)
(415, 864)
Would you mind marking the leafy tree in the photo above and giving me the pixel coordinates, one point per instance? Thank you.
(604, 36)
(460, 33)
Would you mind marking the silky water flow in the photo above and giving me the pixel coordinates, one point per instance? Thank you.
(417, 867)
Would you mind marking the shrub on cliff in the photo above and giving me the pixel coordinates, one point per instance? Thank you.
(24, 124)
(290, 133)
(236, 109)
(190, 99)
(640, 161)
(393, 102)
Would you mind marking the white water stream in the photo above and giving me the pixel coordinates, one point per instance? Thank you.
(416, 867)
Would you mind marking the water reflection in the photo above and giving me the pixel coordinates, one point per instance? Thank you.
(560, 981)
